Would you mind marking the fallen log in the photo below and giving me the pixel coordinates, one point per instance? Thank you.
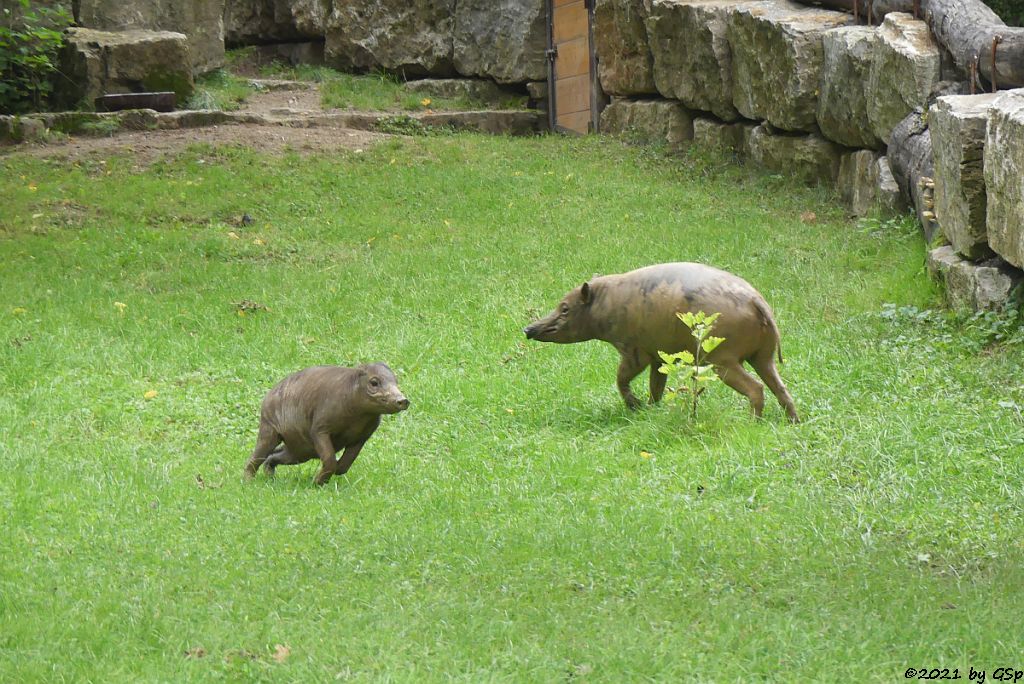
(910, 158)
(980, 42)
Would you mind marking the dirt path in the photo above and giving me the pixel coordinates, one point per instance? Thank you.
(149, 146)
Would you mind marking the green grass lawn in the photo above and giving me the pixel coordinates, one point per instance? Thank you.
(517, 523)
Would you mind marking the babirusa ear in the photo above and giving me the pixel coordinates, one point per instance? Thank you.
(586, 293)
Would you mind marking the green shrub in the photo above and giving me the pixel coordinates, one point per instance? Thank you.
(29, 41)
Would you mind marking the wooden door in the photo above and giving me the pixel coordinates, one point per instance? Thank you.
(570, 70)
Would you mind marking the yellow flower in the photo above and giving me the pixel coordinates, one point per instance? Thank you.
(233, 235)
(425, 102)
(120, 306)
(19, 311)
(32, 187)
(645, 454)
(151, 394)
(258, 241)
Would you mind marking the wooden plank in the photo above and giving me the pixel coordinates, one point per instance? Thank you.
(573, 58)
(572, 94)
(560, 3)
(576, 121)
(570, 22)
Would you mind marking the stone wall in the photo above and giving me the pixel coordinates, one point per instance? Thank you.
(807, 92)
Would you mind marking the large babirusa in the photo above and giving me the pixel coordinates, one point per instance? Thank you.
(636, 313)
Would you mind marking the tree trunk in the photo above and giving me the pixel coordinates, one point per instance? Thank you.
(967, 28)
(910, 157)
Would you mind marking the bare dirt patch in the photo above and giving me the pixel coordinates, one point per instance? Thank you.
(150, 146)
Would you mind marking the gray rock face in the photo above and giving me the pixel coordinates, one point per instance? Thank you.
(733, 137)
(398, 35)
(692, 58)
(1004, 169)
(858, 180)
(651, 121)
(259, 21)
(842, 103)
(625, 65)
(958, 125)
(501, 39)
(905, 68)
(973, 286)
(776, 61)
(100, 62)
(810, 158)
(201, 20)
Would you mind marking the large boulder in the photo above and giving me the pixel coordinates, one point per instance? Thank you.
(501, 39)
(414, 38)
(776, 61)
(692, 59)
(905, 68)
(843, 103)
(624, 62)
(662, 122)
(809, 158)
(100, 62)
(958, 125)
(1004, 176)
(201, 20)
(255, 22)
(970, 286)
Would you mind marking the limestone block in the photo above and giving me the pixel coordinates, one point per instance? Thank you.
(501, 39)
(624, 62)
(477, 89)
(410, 37)
(905, 67)
(734, 137)
(842, 104)
(99, 62)
(1004, 177)
(971, 286)
(958, 124)
(890, 201)
(809, 158)
(858, 180)
(692, 59)
(201, 20)
(653, 121)
(776, 60)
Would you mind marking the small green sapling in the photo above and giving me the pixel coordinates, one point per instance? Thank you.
(688, 372)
